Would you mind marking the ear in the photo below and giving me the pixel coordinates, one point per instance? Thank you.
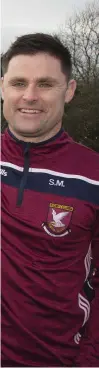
(70, 90)
(2, 87)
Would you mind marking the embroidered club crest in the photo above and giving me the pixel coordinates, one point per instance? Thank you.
(58, 220)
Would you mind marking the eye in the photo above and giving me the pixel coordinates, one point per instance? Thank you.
(45, 85)
(18, 84)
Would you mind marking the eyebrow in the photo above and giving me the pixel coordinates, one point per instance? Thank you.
(43, 79)
(16, 79)
(47, 79)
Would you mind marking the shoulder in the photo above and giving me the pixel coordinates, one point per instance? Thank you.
(84, 151)
(76, 159)
(3, 135)
(86, 160)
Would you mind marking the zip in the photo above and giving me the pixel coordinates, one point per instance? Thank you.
(25, 175)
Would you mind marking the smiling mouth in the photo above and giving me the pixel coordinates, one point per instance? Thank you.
(30, 111)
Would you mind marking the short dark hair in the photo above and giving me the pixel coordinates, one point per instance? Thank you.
(30, 44)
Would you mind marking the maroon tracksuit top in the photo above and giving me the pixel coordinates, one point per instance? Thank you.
(50, 253)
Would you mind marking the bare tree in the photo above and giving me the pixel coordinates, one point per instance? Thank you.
(81, 34)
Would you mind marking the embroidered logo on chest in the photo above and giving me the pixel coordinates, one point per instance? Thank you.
(58, 220)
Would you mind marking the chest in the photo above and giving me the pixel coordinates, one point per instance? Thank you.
(47, 218)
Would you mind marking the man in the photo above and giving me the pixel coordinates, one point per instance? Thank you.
(50, 215)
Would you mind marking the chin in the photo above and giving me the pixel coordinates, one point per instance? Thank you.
(27, 133)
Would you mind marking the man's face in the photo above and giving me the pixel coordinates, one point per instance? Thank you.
(34, 92)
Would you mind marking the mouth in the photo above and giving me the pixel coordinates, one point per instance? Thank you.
(30, 111)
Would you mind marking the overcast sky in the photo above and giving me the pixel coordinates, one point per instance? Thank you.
(24, 16)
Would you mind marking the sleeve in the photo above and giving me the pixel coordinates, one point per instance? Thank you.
(89, 347)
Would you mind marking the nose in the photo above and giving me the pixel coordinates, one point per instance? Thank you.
(30, 94)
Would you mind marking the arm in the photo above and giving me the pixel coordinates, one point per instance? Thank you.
(89, 347)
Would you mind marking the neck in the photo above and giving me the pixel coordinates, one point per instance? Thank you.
(52, 138)
(36, 139)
